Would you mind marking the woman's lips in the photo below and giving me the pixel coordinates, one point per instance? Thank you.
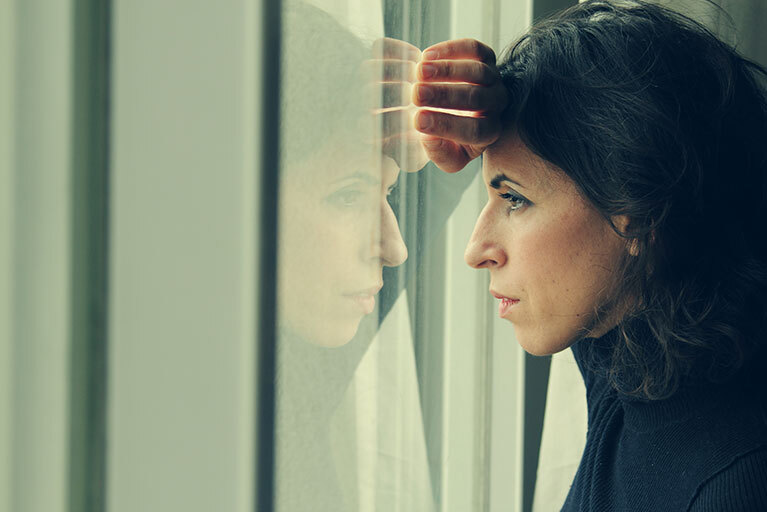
(506, 303)
(366, 302)
(365, 299)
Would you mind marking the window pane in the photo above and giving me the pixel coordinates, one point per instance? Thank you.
(384, 397)
(182, 259)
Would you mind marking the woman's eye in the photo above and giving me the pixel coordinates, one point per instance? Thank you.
(346, 198)
(515, 202)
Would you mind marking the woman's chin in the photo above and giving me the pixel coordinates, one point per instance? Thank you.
(543, 343)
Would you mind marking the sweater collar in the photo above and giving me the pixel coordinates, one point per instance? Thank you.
(687, 402)
(693, 397)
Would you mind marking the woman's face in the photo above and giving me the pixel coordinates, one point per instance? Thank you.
(337, 232)
(551, 256)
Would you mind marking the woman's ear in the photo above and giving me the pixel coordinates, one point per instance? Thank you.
(621, 223)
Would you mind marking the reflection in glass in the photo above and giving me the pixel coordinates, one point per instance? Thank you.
(344, 137)
(337, 228)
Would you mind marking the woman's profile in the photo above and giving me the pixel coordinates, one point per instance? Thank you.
(625, 160)
(340, 161)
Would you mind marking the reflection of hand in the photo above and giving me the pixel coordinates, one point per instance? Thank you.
(458, 75)
(394, 64)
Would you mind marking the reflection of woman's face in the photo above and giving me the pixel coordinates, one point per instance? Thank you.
(549, 252)
(337, 231)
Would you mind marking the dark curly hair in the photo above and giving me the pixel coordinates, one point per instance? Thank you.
(656, 119)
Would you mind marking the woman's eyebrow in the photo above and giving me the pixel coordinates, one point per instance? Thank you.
(499, 178)
(360, 176)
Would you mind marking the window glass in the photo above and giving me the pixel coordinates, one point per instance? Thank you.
(341, 443)
(384, 354)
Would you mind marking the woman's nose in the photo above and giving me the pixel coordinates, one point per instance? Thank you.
(393, 249)
(483, 250)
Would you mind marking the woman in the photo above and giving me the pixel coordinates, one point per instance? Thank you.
(625, 158)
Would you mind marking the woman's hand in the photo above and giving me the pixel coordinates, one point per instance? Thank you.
(393, 74)
(461, 76)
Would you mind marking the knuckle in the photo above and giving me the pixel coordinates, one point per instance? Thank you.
(486, 74)
(442, 96)
(446, 97)
(476, 72)
(475, 47)
(447, 69)
(473, 98)
(489, 56)
(440, 126)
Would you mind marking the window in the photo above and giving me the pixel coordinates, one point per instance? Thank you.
(140, 272)
(390, 403)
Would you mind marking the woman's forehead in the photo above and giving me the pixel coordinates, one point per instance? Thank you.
(510, 157)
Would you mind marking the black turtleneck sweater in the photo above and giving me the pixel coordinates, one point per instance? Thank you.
(703, 450)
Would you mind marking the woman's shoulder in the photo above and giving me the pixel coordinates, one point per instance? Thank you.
(741, 485)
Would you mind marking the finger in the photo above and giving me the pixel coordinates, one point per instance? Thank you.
(390, 94)
(389, 70)
(446, 154)
(470, 71)
(390, 48)
(460, 49)
(394, 122)
(460, 129)
(459, 97)
(406, 150)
